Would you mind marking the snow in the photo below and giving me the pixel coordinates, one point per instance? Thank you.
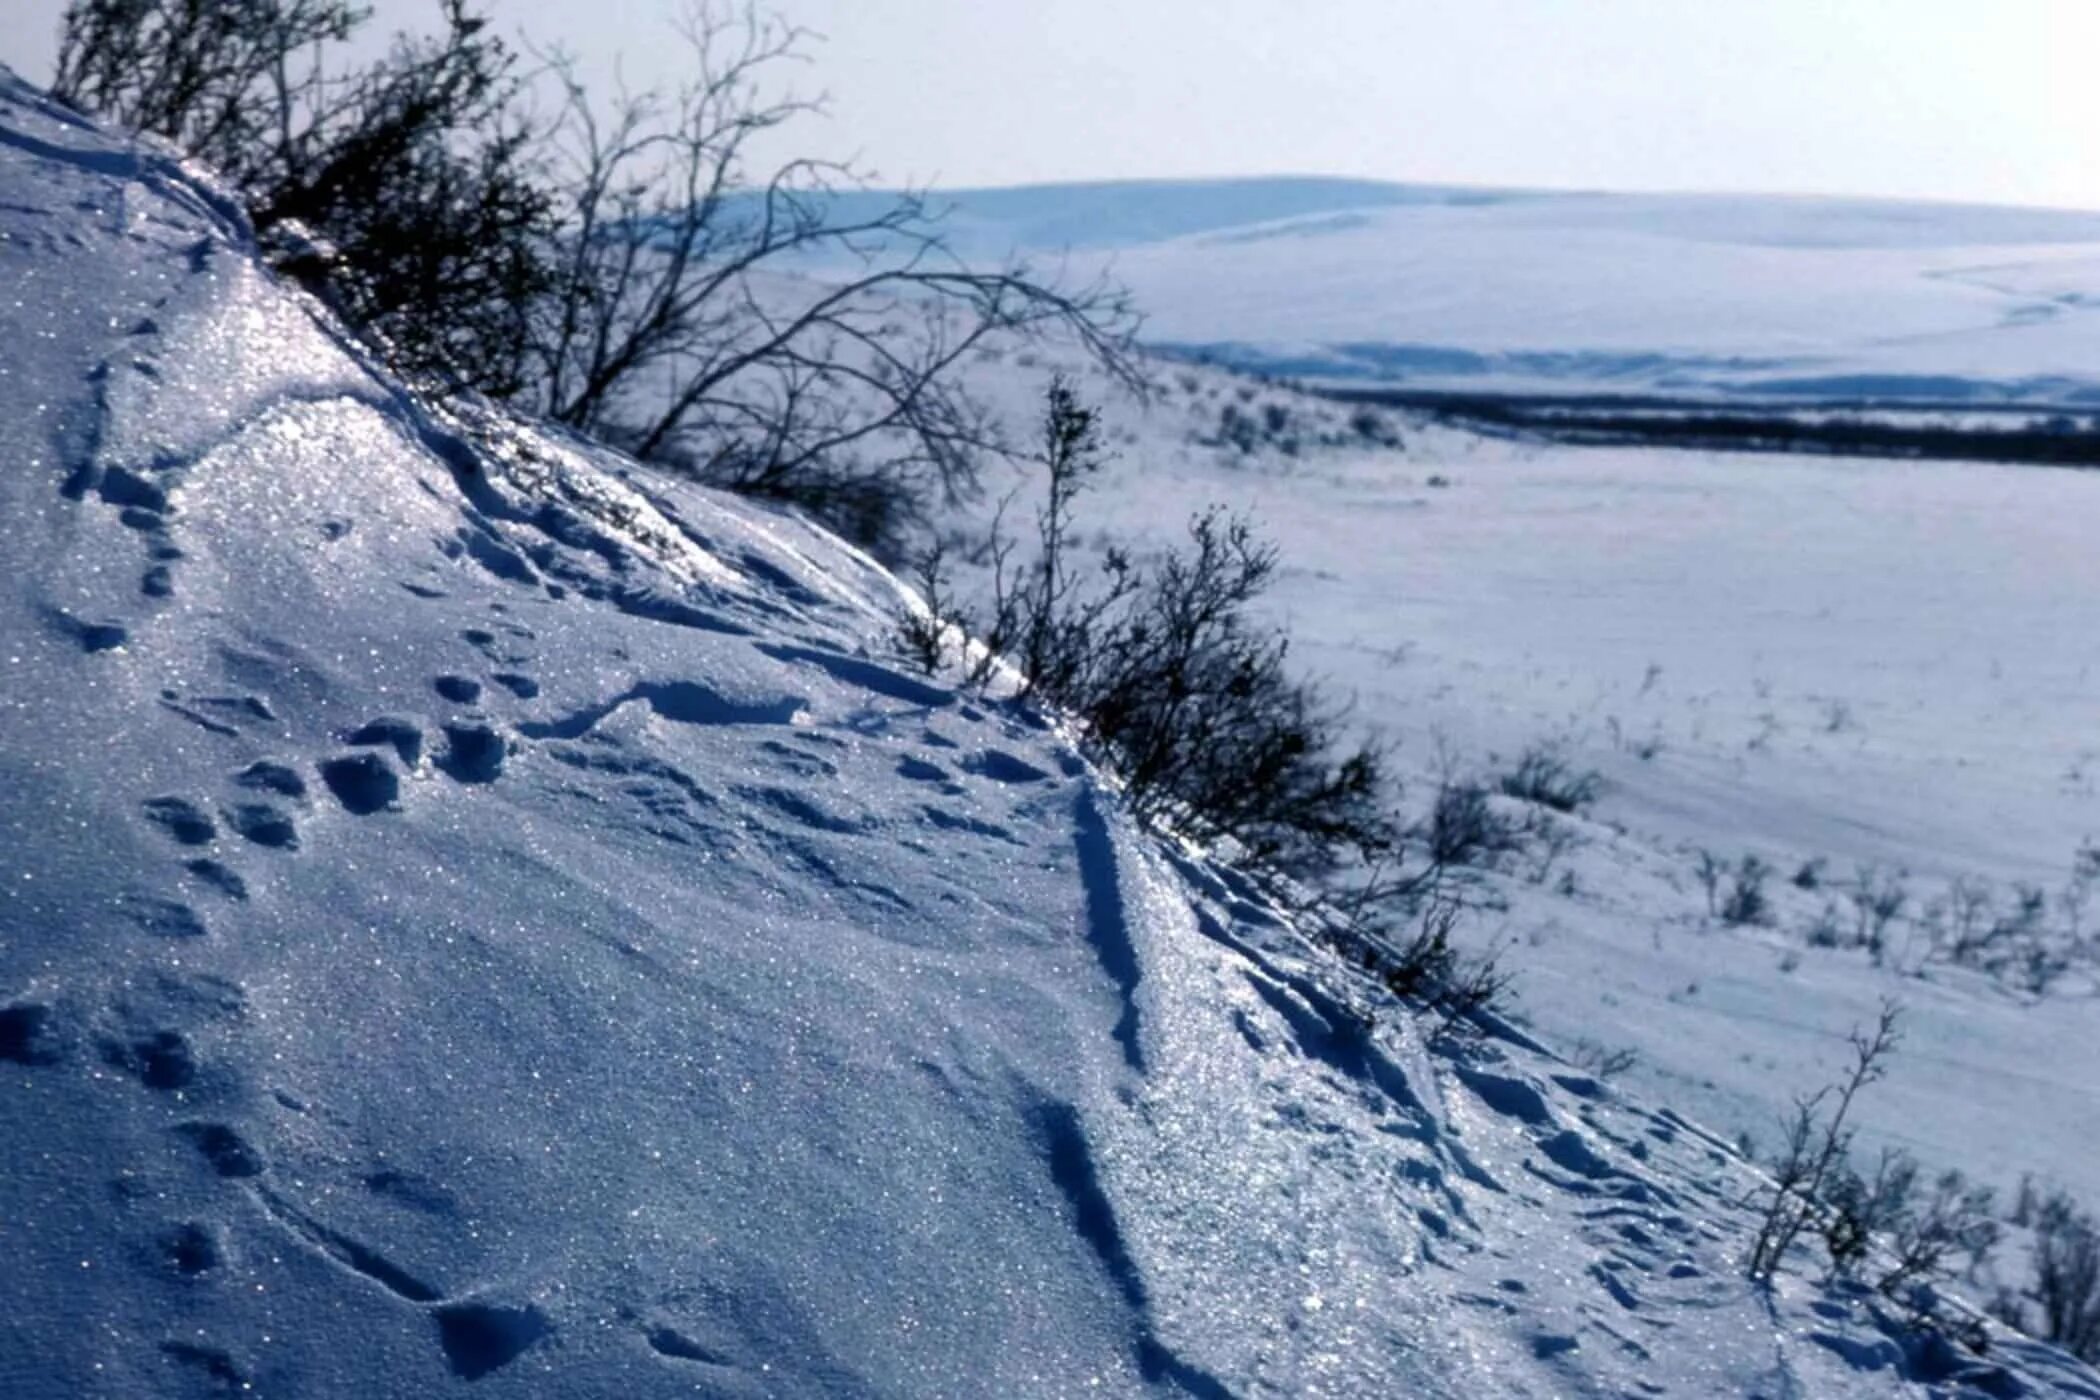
(1861, 663)
(1515, 290)
(482, 918)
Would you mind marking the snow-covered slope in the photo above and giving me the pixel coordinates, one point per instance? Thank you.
(476, 919)
(1527, 291)
(1838, 665)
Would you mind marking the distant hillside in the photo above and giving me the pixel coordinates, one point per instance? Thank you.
(1532, 291)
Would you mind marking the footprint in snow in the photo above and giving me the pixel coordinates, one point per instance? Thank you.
(181, 820)
(161, 1060)
(223, 1149)
(265, 825)
(29, 1034)
(1003, 767)
(265, 776)
(163, 918)
(363, 783)
(390, 731)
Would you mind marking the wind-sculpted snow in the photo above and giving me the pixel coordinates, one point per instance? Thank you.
(475, 915)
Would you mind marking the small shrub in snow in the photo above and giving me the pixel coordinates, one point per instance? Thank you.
(1464, 828)
(1746, 901)
(1427, 969)
(1826, 931)
(1878, 898)
(1601, 1060)
(1711, 869)
(1809, 876)
(1174, 685)
(1902, 1235)
(1815, 1146)
(1544, 775)
(1372, 427)
(2077, 895)
(417, 170)
(620, 267)
(2026, 1202)
(2062, 1305)
(1550, 840)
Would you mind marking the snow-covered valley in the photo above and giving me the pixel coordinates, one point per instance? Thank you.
(477, 916)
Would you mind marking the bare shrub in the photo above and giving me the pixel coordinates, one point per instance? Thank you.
(1173, 684)
(1969, 917)
(1746, 901)
(1903, 1235)
(1816, 1142)
(1826, 931)
(1418, 963)
(407, 190)
(2062, 1305)
(1878, 898)
(1711, 869)
(1550, 839)
(1545, 775)
(1602, 1060)
(1463, 827)
(630, 269)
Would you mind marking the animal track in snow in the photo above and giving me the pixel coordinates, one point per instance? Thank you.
(918, 770)
(28, 1035)
(390, 731)
(669, 1341)
(90, 637)
(363, 783)
(192, 1248)
(798, 760)
(223, 1148)
(482, 1337)
(211, 1362)
(517, 683)
(474, 753)
(265, 825)
(160, 1060)
(1003, 767)
(220, 876)
(164, 918)
(264, 776)
(181, 820)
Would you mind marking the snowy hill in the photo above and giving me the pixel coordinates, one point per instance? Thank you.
(1528, 291)
(481, 919)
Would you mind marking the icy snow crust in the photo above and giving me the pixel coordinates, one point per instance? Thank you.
(474, 916)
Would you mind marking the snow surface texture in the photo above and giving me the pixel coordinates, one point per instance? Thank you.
(478, 919)
(1528, 291)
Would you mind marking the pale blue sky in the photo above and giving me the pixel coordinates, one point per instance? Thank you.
(1952, 99)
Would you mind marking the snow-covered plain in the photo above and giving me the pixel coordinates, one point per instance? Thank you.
(1862, 663)
(477, 918)
(1529, 291)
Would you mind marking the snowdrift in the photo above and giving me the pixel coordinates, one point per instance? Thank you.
(477, 918)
